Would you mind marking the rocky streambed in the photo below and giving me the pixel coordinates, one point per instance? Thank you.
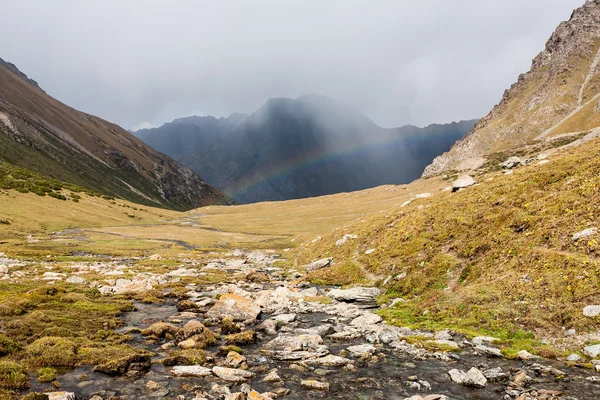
(265, 337)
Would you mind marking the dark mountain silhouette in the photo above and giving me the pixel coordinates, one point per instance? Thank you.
(306, 147)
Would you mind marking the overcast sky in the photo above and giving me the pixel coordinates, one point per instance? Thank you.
(144, 62)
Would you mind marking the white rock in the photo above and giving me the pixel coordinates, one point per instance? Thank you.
(366, 319)
(361, 350)
(574, 357)
(319, 264)
(190, 370)
(490, 351)
(232, 375)
(463, 182)
(285, 318)
(370, 251)
(591, 311)
(423, 195)
(525, 355)
(472, 378)
(484, 340)
(76, 279)
(585, 233)
(592, 351)
(344, 239)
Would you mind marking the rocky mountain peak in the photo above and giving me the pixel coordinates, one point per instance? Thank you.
(559, 95)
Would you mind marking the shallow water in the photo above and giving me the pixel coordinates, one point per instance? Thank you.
(382, 380)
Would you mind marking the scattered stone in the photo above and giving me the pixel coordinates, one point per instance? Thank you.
(77, 280)
(190, 370)
(344, 239)
(573, 357)
(285, 318)
(232, 375)
(364, 296)
(153, 386)
(525, 355)
(273, 376)
(490, 351)
(495, 375)
(512, 162)
(484, 340)
(366, 319)
(315, 385)
(361, 350)
(235, 360)
(268, 326)
(237, 307)
(319, 264)
(329, 361)
(585, 233)
(591, 311)
(592, 351)
(463, 182)
(471, 378)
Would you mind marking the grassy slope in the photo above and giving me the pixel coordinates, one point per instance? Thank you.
(498, 257)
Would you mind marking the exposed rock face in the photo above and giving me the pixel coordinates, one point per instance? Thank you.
(42, 134)
(562, 85)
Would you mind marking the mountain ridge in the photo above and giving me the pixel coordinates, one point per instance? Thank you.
(304, 147)
(556, 96)
(42, 134)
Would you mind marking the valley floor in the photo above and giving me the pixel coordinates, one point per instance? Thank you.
(415, 290)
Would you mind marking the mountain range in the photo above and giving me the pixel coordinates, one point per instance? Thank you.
(44, 135)
(297, 148)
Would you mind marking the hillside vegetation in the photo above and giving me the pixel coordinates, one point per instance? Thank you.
(496, 257)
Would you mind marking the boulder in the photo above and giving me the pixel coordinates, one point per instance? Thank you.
(314, 385)
(463, 182)
(361, 350)
(366, 319)
(592, 351)
(232, 375)
(472, 378)
(363, 296)
(573, 357)
(319, 264)
(237, 307)
(591, 311)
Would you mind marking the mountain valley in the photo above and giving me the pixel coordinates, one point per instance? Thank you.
(368, 265)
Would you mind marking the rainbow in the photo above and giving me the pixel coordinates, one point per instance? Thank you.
(311, 159)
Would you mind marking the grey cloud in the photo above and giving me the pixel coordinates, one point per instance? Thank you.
(400, 61)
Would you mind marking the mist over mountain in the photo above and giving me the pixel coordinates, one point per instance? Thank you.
(297, 148)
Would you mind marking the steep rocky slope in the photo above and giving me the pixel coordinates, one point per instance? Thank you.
(307, 147)
(559, 96)
(42, 134)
